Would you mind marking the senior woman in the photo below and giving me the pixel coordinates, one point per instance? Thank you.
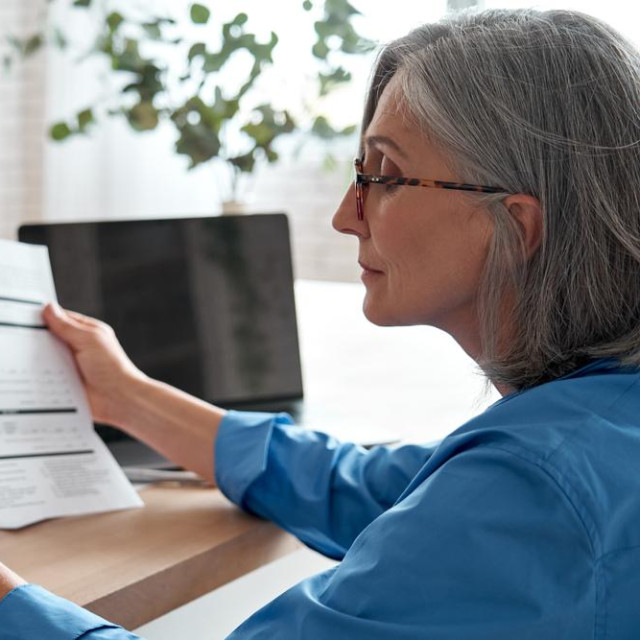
(524, 127)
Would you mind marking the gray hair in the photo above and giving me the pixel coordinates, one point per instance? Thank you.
(545, 103)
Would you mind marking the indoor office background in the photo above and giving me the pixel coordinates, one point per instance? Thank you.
(113, 172)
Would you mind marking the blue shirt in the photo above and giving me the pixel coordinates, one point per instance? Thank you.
(523, 523)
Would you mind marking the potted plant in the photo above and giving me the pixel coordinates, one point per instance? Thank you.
(232, 127)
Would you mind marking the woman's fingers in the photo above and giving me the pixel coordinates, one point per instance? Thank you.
(77, 330)
(78, 316)
(61, 324)
(105, 369)
(84, 320)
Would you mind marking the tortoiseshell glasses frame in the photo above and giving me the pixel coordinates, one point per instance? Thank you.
(363, 180)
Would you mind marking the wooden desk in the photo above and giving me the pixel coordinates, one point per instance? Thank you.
(133, 566)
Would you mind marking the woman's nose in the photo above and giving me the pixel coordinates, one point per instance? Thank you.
(345, 219)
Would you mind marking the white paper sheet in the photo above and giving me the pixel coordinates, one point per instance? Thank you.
(52, 462)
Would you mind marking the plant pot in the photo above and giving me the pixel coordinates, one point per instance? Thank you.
(234, 207)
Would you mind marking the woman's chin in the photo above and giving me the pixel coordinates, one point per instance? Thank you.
(377, 314)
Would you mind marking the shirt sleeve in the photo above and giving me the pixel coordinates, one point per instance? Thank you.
(323, 491)
(29, 612)
(488, 547)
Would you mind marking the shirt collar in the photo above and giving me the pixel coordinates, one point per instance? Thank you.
(597, 365)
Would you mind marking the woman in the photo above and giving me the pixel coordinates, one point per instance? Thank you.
(525, 522)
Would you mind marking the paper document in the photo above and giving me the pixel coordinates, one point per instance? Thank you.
(52, 462)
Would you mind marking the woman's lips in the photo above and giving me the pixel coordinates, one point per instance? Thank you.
(369, 273)
(366, 267)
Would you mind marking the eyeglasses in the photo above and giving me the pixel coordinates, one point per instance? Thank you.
(363, 180)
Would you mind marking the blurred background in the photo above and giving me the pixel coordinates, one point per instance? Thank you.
(173, 142)
(119, 109)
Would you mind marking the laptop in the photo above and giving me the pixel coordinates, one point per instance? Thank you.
(205, 304)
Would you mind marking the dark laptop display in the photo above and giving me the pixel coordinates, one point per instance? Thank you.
(205, 304)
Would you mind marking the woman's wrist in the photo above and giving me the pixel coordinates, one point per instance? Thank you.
(177, 425)
(131, 399)
(9, 580)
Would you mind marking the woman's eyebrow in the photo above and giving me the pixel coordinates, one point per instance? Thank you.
(375, 141)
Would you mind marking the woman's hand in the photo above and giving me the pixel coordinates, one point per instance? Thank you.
(105, 368)
(177, 425)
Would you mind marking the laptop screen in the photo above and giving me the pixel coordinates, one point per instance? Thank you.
(204, 304)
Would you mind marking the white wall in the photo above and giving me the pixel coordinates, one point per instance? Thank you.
(21, 124)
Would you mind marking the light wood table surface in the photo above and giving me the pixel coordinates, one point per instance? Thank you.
(135, 565)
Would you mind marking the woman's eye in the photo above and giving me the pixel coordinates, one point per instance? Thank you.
(388, 168)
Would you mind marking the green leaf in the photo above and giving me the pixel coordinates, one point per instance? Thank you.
(85, 118)
(307, 5)
(337, 23)
(221, 110)
(320, 50)
(114, 20)
(353, 43)
(323, 28)
(329, 162)
(143, 116)
(82, 3)
(32, 44)
(200, 14)
(197, 49)
(60, 131)
(341, 9)
(260, 132)
(323, 129)
(130, 59)
(59, 38)
(214, 62)
(244, 162)
(240, 19)
(266, 126)
(104, 44)
(147, 84)
(197, 142)
(329, 81)
(196, 113)
(152, 29)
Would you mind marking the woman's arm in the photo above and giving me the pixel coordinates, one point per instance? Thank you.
(323, 491)
(487, 547)
(176, 424)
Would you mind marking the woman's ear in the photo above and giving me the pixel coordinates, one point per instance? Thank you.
(526, 210)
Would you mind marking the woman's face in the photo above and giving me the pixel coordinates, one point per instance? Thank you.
(422, 250)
